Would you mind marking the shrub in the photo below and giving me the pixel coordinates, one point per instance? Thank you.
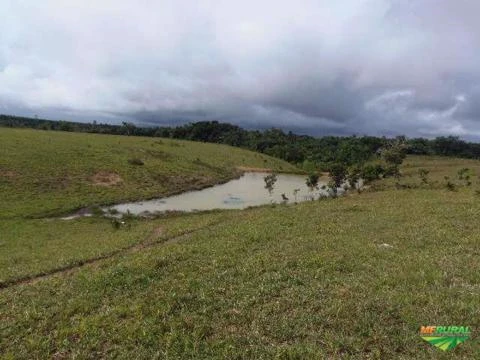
(451, 186)
(393, 156)
(338, 173)
(116, 223)
(423, 173)
(270, 181)
(391, 170)
(112, 211)
(96, 211)
(353, 176)
(463, 174)
(371, 172)
(312, 181)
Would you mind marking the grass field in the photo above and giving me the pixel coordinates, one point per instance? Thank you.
(353, 277)
(50, 173)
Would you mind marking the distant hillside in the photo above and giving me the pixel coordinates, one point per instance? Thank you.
(304, 151)
(43, 172)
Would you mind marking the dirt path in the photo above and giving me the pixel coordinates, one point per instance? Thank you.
(154, 239)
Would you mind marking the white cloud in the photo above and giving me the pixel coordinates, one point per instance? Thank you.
(364, 66)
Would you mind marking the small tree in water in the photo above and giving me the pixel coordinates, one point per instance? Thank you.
(270, 181)
(312, 181)
(295, 192)
(338, 173)
(353, 177)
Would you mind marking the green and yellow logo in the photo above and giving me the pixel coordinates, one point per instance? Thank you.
(445, 337)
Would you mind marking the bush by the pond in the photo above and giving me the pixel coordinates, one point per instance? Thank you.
(270, 181)
(312, 181)
(391, 170)
(96, 210)
(372, 172)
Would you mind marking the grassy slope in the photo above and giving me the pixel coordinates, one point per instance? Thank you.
(45, 173)
(31, 247)
(305, 281)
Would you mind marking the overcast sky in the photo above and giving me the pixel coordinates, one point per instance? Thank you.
(380, 67)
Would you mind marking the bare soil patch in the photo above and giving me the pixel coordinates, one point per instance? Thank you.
(104, 178)
(9, 174)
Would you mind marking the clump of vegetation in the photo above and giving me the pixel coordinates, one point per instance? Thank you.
(423, 173)
(135, 161)
(124, 221)
(393, 155)
(464, 174)
(450, 185)
(353, 177)
(371, 172)
(322, 196)
(270, 181)
(116, 223)
(96, 210)
(337, 173)
(129, 128)
(312, 181)
(392, 171)
(295, 193)
(113, 211)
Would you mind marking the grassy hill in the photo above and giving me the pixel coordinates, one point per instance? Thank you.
(46, 173)
(353, 277)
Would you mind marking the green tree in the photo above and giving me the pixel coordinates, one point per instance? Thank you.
(312, 181)
(270, 181)
(128, 128)
(338, 173)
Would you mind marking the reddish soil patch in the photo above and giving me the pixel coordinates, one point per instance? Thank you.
(104, 178)
(9, 174)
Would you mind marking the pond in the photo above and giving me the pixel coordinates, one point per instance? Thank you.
(248, 190)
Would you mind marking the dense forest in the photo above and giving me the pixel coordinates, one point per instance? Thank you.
(305, 151)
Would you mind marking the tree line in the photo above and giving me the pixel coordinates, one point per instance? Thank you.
(307, 152)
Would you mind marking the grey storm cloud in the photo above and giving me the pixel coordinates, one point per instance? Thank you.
(381, 67)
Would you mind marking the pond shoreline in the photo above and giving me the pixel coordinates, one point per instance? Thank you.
(238, 173)
(248, 190)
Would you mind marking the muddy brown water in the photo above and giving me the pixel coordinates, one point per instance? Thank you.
(248, 190)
